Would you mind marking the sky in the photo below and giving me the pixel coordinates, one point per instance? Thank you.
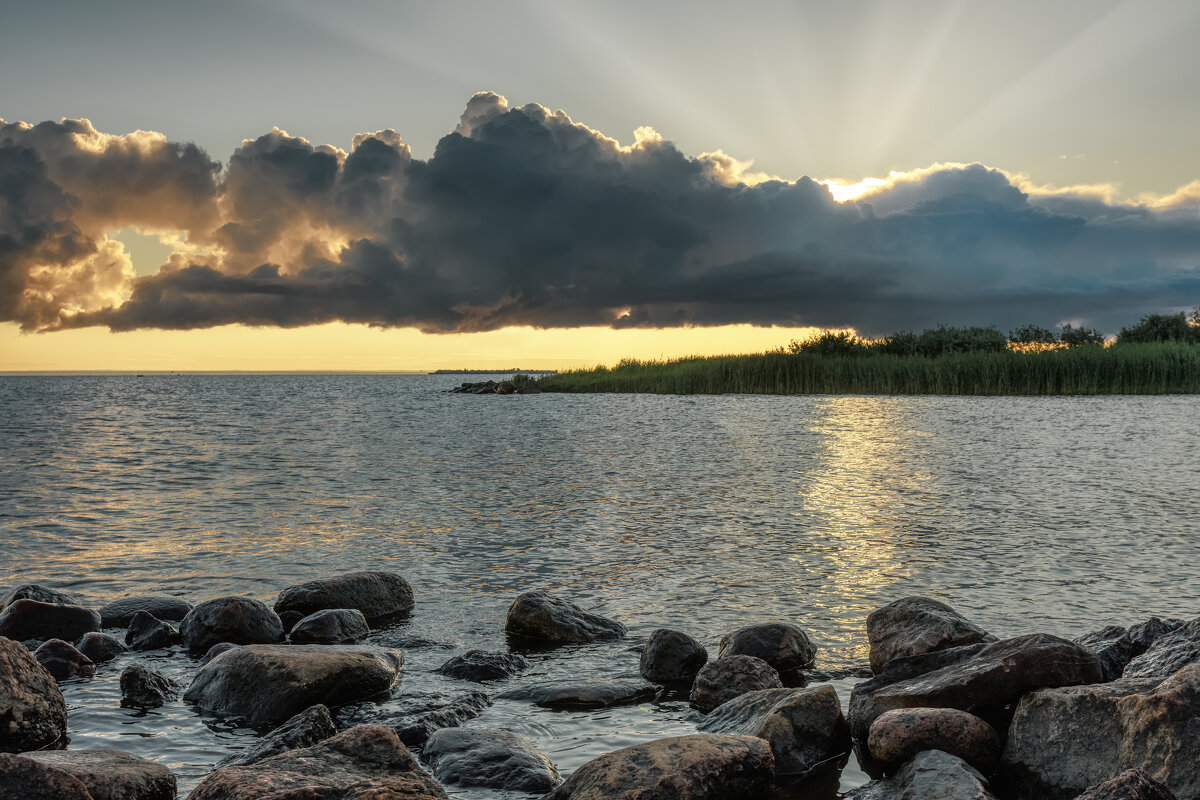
(394, 185)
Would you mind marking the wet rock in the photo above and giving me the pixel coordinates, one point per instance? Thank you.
(310, 726)
(32, 711)
(914, 625)
(216, 650)
(1147, 633)
(1113, 646)
(931, 775)
(63, 661)
(25, 779)
(995, 675)
(428, 715)
(896, 736)
(700, 767)
(361, 763)
(490, 758)
(35, 591)
(1132, 784)
(375, 594)
(595, 694)
(481, 665)
(289, 619)
(331, 626)
(32, 619)
(264, 684)
(1169, 653)
(112, 774)
(1064, 740)
(784, 646)
(538, 615)
(146, 632)
(100, 647)
(505, 387)
(145, 688)
(238, 620)
(722, 680)
(805, 727)
(118, 613)
(672, 657)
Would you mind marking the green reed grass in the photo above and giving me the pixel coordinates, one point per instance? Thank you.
(1153, 368)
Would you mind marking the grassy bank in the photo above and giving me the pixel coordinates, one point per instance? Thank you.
(1157, 368)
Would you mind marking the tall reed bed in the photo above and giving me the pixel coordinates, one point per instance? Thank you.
(1157, 368)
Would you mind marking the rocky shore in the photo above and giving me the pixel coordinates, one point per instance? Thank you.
(946, 709)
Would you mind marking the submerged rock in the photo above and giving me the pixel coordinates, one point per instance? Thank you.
(419, 722)
(375, 594)
(671, 657)
(25, 779)
(490, 758)
(118, 613)
(896, 736)
(698, 767)
(238, 620)
(784, 646)
(32, 619)
(596, 694)
(931, 775)
(805, 727)
(1169, 652)
(1064, 740)
(310, 726)
(722, 680)
(481, 665)
(361, 763)
(145, 688)
(147, 632)
(539, 615)
(33, 713)
(112, 774)
(914, 625)
(63, 661)
(100, 647)
(331, 626)
(1132, 784)
(264, 683)
(35, 591)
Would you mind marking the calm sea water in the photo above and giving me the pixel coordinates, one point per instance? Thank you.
(700, 513)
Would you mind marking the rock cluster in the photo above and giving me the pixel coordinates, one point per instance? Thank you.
(497, 387)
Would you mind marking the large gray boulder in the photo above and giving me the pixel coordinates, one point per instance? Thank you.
(331, 626)
(805, 727)
(35, 591)
(32, 619)
(931, 775)
(422, 716)
(700, 767)
(142, 687)
(671, 657)
(310, 726)
(539, 615)
(148, 632)
(724, 679)
(896, 736)
(33, 713)
(481, 665)
(63, 661)
(375, 594)
(1169, 653)
(112, 774)
(265, 684)
(118, 613)
(100, 647)
(25, 779)
(1132, 784)
(490, 758)
(1116, 647)
(593, 694)
(1062, 741)
(911, 626)
(238, 620)
(1112, 646)
(993, 676)
(784, 646)
(362, 763)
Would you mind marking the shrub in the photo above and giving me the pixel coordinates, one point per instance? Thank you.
(831, 343)
(1159, 328)
(1077, 337)
(942, 340)
(1032, 334)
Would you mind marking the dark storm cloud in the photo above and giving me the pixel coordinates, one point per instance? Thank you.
(523, 217)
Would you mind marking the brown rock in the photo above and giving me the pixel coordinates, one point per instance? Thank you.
(63, 661)
(914, 625)
(1132, 784)
(898, 735)
(239, 620)
(112, 774)
(722, 680)
(931, 775)
(671, 657)
(25, 779)
(32, 711)
(118, 613)
(31, 619)
(375, 594)
(538, 615)
(34, 591)
(784, 646)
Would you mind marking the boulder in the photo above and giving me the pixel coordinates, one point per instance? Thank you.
(1063, 741)
(331, 626)
(33, 713)
(896, 736)
(375, 594)
(100, 647)
(914, 625)
(147, 632)
(481, 665)
(724, 679)
(238, 620)
(25, 779)
(362, 763)
(994, 676)
(1132, 784)
(1112, 646)
(1116, 647)
(805, 727)
(423, 716)
(112, 774)
(505, 387)
(310, 726)
(539, 615)
(34, 591)
(784, 646)
(32, 619)
(145, 688)
(216, 650)
(1169, 653)
(265, 684)
(1147, 633)
(289, 619)
(118, 613)
(931, 775)
(671, 657)
(703, 766)
(595, 694)
(489, 758)
(63, 661)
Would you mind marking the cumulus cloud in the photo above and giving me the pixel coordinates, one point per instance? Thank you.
(524, 217)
